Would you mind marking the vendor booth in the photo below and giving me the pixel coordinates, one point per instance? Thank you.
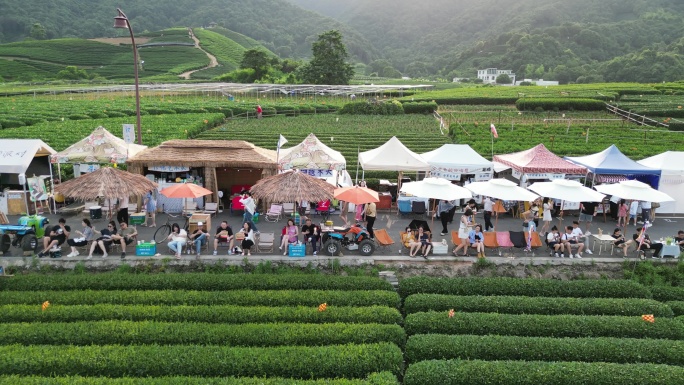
(454, 161)
(612, 162)
(226, 166)
(24, 160)
(671, 163)
(312, 154)
(100, 147)
(538, 164)
(392, 156)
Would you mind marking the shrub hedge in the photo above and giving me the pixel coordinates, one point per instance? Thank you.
(526, 287)
(474, 100)
(456, 372)
(667, 293)
(336, 361)
(191, 297)
(542, 325)
(372, 108)
(419, 107)
(535, 305)
(211, 314)
(560, 104)
(191, 281)
(384, 378)
(492, 348)
(179, 333)
(677, 307)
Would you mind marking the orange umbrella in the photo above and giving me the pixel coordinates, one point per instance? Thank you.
(356, 195)
(185, 190)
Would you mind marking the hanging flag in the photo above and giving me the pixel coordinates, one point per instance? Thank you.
(322, 307)
(494, 133)
(451, 313)
(281, 141)
(45, 305)
(648, 318)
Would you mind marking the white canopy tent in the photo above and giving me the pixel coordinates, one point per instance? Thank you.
(452, 160)
(17, 155)
(311, 153)
(101, 146)
(671, 180)
(392, 156)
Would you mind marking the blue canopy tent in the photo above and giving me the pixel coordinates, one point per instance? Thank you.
(612, 161)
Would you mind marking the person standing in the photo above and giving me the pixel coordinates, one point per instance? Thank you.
(622, 213)
(587, 214)
(646, 211)
(259, 111)
(150, 208)
(443, 208)
(122, 210)
(547, 204)
(633, 208)
(488, 208)
(344, 208)
(250, 209)
(371, 212)
(464, 232)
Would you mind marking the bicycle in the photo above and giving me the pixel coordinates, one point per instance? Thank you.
(164, 230)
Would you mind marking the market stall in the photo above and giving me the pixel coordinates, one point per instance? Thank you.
(613, 162)
(671, 163)
(312, 154)
(100, 147)
(24, 160)
(218, 165)
(456, 162)
(538, 164)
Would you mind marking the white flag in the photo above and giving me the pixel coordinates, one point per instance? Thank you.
(281, 141)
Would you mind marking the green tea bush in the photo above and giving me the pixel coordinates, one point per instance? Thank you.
(667, 293)
(494, 348)
(384, 378)
(677, 307)
(212, 314)
(372, 108)
(182, 333)
(560, 104)
(464, 100)
(475, 372)
(270, 298)
(535, 305)
(542, 325)
(525, 287)
(196, 281)
(336, 361)
(419, 107)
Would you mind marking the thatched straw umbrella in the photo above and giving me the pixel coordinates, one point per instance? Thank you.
(292, 186)
(108, 183)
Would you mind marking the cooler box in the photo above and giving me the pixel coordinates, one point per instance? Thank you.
(298, 251)
(439, 248)
(404, 206)
(137, 218)
(146, 249)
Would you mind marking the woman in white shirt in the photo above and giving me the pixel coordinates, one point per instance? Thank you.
(546, 214)
(248, 242)
(178, 237)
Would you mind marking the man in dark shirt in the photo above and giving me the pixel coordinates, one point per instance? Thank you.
(55, 236)
(587, 214)
(224, 234)
(198, 238)
(311, 234)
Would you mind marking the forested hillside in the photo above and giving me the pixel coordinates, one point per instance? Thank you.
(617, 40)
(280, 26)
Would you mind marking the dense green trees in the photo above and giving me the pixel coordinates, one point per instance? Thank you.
(328, 64)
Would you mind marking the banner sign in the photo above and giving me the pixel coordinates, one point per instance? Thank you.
(317, 173)
(483, 176)
(129, 133)
(538, 175)
(169, 168)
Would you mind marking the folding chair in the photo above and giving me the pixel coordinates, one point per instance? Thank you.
(265, 242)
(457, 242)
(323, 208)
(418, 208)
(404, 208)
(274, 214)
(383, 239)
(288, 208)
(210, 208)
(490, 241)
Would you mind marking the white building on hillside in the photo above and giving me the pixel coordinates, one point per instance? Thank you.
(489, 75)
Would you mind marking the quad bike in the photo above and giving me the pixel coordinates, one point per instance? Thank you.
(24, 235)
(352, 238)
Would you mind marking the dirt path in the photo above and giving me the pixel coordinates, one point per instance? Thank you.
(212, 59)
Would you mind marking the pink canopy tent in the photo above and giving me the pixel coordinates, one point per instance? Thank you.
(537, 160)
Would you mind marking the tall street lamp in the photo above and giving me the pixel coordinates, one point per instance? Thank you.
(121, 21)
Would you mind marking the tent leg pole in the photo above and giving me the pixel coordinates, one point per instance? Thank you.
(54, 201)
(23, 186)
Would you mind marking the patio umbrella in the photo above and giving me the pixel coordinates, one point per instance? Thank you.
(108, 183)
(185, 190)
(633, 189)
(436, 188)
(566, 190)
(292, 186)
(501, 189)
(356, 194)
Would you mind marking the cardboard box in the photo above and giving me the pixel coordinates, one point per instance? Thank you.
(146, 249)
(137, 218)
(297, 251)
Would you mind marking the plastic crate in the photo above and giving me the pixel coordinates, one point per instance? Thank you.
(136, 219)
(297, 251)
(146, 249)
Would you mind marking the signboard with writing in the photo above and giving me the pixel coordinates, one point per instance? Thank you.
(129, 133)
(538, 175)
(37, 189)
(317, 173)
(169, 168)
(570, 205)
(483, 176)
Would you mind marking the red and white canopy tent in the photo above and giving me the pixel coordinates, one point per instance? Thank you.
(539, 163)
